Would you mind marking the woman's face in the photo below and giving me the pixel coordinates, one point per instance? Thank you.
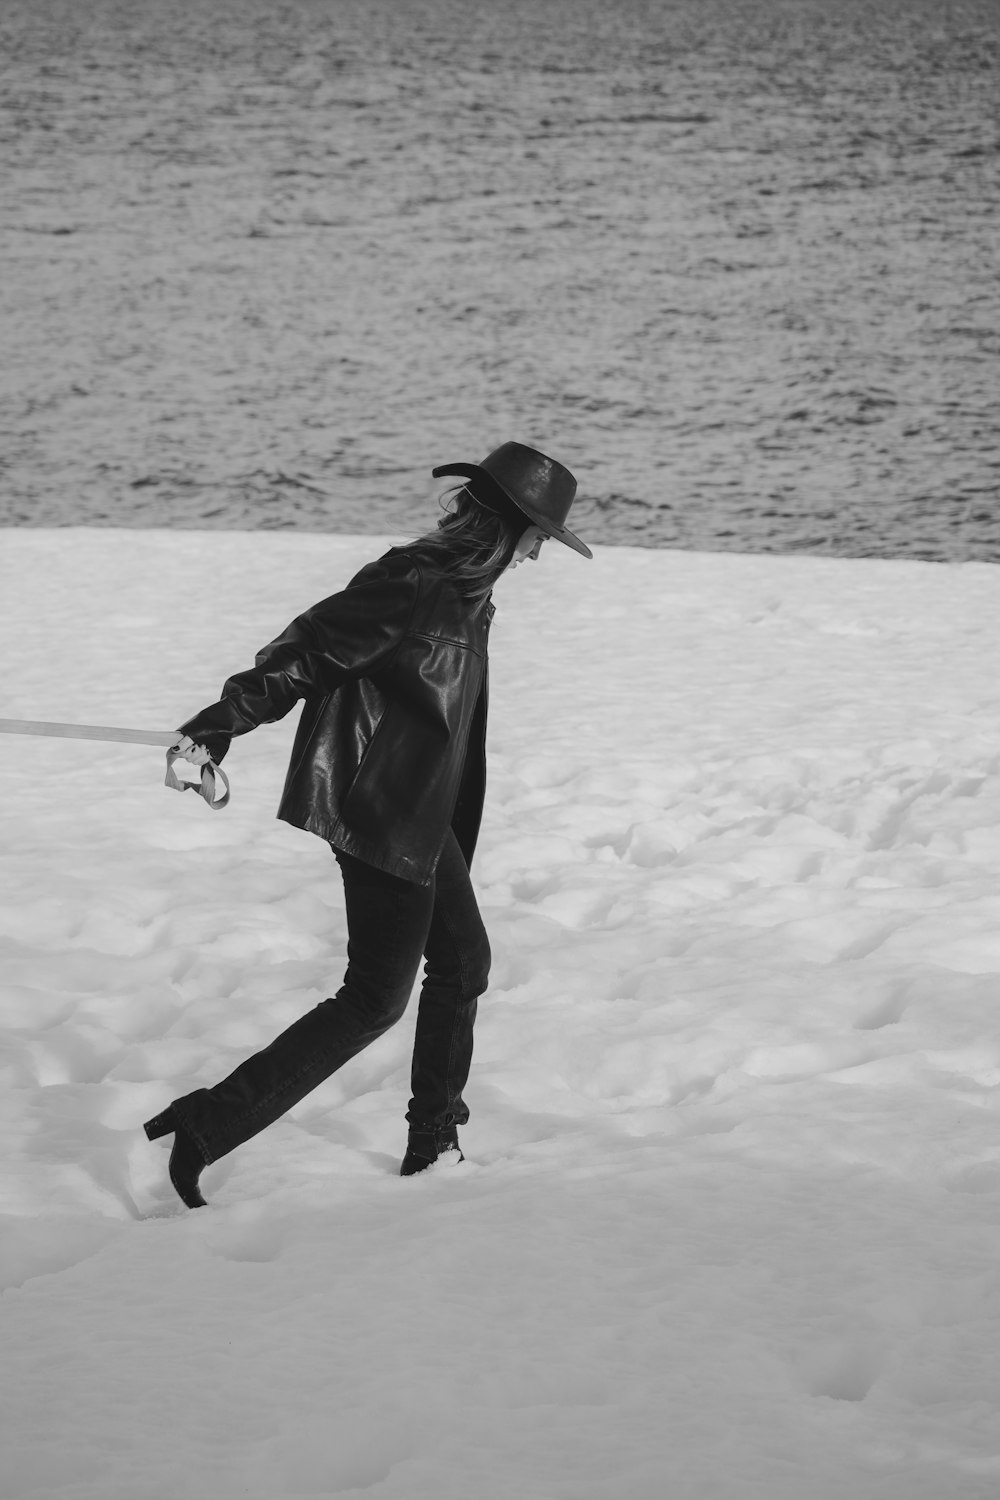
(528, 545)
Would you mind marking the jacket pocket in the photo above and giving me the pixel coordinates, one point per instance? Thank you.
(364, 763)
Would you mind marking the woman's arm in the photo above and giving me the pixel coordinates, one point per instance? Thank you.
(351, 634)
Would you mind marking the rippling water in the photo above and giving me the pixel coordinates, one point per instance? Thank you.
(734, 261)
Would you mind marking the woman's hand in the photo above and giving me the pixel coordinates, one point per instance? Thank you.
(195, 755)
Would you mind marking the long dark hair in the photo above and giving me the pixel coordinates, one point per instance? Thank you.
(473, 543)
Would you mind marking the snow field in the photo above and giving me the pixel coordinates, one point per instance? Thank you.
(727, 1226)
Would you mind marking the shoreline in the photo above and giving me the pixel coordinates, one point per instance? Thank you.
(396, 538)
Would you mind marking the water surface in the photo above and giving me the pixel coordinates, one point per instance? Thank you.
(734, 261)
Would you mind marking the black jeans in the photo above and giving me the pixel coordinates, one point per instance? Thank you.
(391, 924)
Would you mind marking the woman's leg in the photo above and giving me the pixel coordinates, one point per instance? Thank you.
(387, 921)
(455, 975)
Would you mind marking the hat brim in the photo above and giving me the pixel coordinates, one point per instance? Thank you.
(486, 480)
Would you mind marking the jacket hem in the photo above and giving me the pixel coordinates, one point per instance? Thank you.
(340, 837)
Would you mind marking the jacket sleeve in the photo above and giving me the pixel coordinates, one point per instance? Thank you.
(351, 634)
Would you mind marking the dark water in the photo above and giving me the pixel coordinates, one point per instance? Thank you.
(734, 261)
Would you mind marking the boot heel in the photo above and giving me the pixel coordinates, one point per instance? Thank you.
(161, 1124)
(186, 1161)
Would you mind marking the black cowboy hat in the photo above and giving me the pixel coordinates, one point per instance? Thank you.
(537, 487)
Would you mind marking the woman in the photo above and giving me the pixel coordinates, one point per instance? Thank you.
(389, 767)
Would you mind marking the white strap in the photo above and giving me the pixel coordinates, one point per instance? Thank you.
(209, 771)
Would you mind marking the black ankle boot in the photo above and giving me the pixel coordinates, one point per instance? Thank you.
(186, 1161)
(425, 1146)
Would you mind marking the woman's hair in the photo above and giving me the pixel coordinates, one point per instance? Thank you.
(473, 543)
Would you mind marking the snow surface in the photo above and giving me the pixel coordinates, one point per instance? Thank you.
(728, 1223)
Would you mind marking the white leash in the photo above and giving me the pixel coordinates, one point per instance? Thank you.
(209, 771)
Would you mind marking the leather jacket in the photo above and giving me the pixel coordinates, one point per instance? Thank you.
(390, 750)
